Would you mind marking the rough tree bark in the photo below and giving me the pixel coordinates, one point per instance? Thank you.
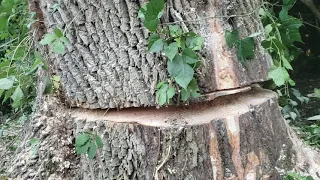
(107, 65)
(232, 136)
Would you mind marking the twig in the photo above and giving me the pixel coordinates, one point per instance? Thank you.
(213, 17)
(14, 52)
(106, 112)
(39, 170)
(65, 30)
(156, 176)
(309, 24)
(91, 169)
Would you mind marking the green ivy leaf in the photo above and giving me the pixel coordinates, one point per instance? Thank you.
(56, 78)
(180, 71)
(152, 13)
(309, 178)
(17, 94)
(92, 150)
(170, 93)
(6, 83)
(279, 75)
(58, 32)
(286, 63)
(185, 95)
(185, 75)
(194, 42)
(174, 66)
(195, 94)
(162, 94)
(160, 84)
(316, 93)
(268, 29)
(171, 51)
(151, 24)
(175, 30)
(245, 49)
(48, 39)
(58, 47)
(98, 141)
(34, 141)
(291, 82)
(193, 87)
(155, 43)
(3, 22)
(48, 86)
(82, 139)
(7, 95)
(290, 30)
(55, 6)
(189, 56)
(84, 148)
(232, 38)
(1, 92)
(288, 4)
(273, 43)
(35, 65)
(191, 91)
(142, 12)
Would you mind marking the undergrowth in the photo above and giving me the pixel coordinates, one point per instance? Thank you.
(18, 60)
(282, 36)
(18, 66)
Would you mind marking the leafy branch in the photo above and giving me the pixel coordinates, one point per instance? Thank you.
(18, 61)
(281, 32)
(180, 48)
(87, 143)
(56, 40)
(245, 47)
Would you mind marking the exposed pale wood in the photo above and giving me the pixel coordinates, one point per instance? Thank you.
(233, 137)
(241, 136)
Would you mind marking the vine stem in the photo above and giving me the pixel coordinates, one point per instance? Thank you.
(156, 176)
(213, 17)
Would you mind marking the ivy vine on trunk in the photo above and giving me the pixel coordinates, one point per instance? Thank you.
(182, 52)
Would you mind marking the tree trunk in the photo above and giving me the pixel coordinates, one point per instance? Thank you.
(241, 136)
(236, 132)
(233, 137)
(107, 64)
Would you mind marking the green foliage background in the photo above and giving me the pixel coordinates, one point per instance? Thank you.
(18, 60)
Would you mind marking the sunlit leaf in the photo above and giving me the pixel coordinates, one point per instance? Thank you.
(92, 150)
(98, 141)
(155, 43)
(82, 139)
(314, 118)
(58, 47)
(175, 30)
(17, 94)
(279, 75)
(6, 83)
(171, 51)
(48, 39)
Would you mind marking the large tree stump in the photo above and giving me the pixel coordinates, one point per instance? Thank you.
(241, 136)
